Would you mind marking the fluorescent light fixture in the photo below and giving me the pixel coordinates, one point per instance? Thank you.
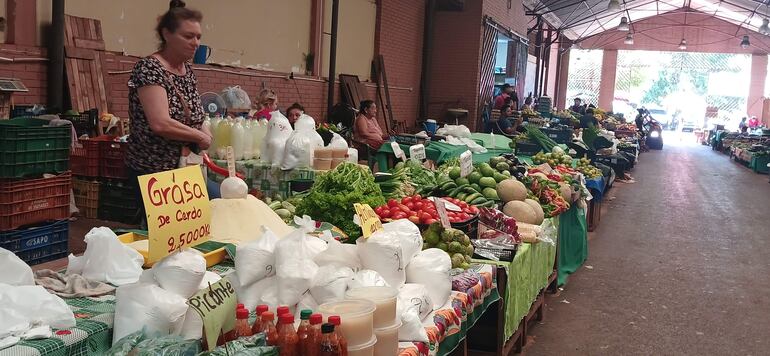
(614, 5)
(683, 44)
(629, 39)
(623, 24)
(745, 42)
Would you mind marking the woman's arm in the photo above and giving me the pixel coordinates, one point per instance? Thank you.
(155, 104)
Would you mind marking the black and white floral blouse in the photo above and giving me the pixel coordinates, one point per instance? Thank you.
(148, 152)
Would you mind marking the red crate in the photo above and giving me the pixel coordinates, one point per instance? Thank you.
(84, 158)
(86, 197)
(112, 160)
(31, 201)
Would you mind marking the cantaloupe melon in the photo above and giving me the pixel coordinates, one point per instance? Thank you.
(565, 191)
(537, 209)
(520, 211)
(511, 189)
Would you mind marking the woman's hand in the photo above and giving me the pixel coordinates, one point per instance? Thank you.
(205, 141)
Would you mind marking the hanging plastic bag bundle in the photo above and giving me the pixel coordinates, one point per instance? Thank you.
(236, 98)
(301, 144)
(273, 146)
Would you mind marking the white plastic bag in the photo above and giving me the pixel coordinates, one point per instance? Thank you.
(236, 98)
(192, 327)
(411, 326)
(409, 236)
(273, 145)
(109, 260)
(180, 273)
(339, 254)
(23, 306)
(295, 268)
(367, 278)
(306, 302)
(337, 141)
(255, 260)
(382, 252)
(431, 268)
(330, 283)
(415, 295)
(75, 264)
(352, 155)
(147, 306)
(14, 271)
(301, 144)
(251, 294)
(454, 130)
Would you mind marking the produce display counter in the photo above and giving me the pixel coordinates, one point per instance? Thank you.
(594, 212)
(759, 163)
(440, 152)
(267, 178)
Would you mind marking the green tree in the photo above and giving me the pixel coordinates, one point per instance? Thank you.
(667, 82)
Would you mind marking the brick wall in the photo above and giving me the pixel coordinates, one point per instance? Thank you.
(513, 18)
(27, 66)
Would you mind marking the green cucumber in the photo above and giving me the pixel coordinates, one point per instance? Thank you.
(479, 200)
(471, 197)
(461, 196)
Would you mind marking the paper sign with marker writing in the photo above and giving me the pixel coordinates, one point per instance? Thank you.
(466, 163)
(442, 215)
(370, 222)
(397, 151)
(178, 210)
(417, 152)
(216, 306)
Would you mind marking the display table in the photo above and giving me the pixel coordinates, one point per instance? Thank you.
(270, 180)
(573, 242)
(594, 214)
(759, 163)
(440, 152)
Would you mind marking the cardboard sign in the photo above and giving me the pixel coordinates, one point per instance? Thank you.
(417, 152)
(441, 210)
(370, 222)
(397, 151)
(230, 161)
(466, 163)
(178, 210)
(216, 306)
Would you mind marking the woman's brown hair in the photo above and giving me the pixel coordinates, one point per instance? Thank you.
(177, 12)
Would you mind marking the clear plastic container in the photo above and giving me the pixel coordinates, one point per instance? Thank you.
(385, 300)
(357, 318)
(365, 349)
(387, 340)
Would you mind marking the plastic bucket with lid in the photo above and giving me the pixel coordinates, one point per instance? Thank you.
(383, 297)
(387, 340)
(365, 349)
(356, 319)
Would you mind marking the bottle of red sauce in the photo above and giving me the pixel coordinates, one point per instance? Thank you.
(305, 333)
(268, 327)
(288, 341)
(257, 327)
(337, 321)
(329, 345)
(315, 330)
(242, 327)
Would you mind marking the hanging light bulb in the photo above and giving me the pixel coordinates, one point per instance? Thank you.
(683, 44)
(765, 28)
(745, 42)
(614, 5)
(629, 39)
(623, 24)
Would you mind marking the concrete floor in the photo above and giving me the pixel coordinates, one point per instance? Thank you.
(680, 265)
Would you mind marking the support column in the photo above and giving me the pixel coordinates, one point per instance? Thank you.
(316, 32)
(561, 79)
(755, 100)
(21, 28)
(607, 85)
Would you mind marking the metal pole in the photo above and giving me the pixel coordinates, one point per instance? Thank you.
(427, 57)
(538, 51)
(56, 58)
(333, 55)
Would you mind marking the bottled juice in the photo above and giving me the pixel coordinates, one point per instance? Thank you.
(305, 333)
(248, 142)
(259, 129)
(222, 137)
(237, 136)
(268, 327)
(242, 327)
(336, 321)
(329, 345)
(257, 328)
(288, 341)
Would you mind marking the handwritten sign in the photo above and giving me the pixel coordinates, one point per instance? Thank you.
(216, 306)
(442, 215)
(370, 222)
(397, 151)
(230, 154)
(466, 163)
(178, 210)
(417, 152)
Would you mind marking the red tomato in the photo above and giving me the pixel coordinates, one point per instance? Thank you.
(378, 210)
(417, 197)
(398, 215)
(425, 216)
(410, 205)
(405, 200)
(463, 217)
(392, 203)
(462, 204)
(474, 210)
(429, 221)
(419, 205)
(414, 219)
(385, 213)
(404, 208)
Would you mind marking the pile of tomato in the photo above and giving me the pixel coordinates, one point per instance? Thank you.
(421, 210)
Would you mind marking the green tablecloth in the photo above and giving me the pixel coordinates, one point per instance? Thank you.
(442, 151)
(485, 140)
(528, 274)
(573, 241)
(759, 163)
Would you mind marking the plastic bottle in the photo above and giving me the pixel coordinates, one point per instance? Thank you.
(336, 321)
(222, 137)
(282, 309)
(260, 131)
(315, 328)
(242, 327)
(268, 327)
(305, 333)
(257, 328)
(248, 142)
(329, 345)
(288, 341)
(238, 138)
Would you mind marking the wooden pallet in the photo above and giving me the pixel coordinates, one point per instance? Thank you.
(84, 63)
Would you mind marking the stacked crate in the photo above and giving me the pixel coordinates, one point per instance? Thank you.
(35, 187)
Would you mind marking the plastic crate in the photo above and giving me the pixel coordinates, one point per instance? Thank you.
(118, 201)
(24, 111)
(122, 214)
(84, 159)
(29, 147)
(31, 201)
(86, 197)
(38, 244)
(527, 148)
(558, 135)
(85, 122)
(112, 160)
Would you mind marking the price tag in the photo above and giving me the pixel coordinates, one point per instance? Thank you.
(178, 210)
(397, 151)
(216, 307)
(417, 152)
(441, 210)
(230, 161)
(466, 163)
(370, 222)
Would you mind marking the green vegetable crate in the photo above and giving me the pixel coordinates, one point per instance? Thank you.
(29, 147)
(118, 201)
(469, 227)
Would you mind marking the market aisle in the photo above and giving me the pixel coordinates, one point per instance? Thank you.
(679, 265)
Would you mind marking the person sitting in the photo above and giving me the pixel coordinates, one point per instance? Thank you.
(742, 125)
(506, 89)
(506, 124)
(578, 107)
(293, 112)
(588, 119)
(753, 122)
(268, 102)
(366, 129)
(527, 103)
